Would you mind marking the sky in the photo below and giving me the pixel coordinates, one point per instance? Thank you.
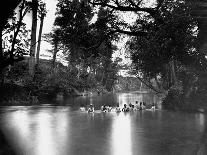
(48, 25)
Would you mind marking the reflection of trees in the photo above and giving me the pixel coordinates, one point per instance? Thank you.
(201, 148)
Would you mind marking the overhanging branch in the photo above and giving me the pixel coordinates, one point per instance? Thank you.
(131, 33)
(119, 7)
(148, 85)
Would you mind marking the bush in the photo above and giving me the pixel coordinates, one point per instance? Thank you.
(174, 99)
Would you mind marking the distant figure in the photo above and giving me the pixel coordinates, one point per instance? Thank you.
(103, 108)
(136, 107)
(82, 108)
(118, 108)
(153, 106)
(142, 105)
(125, 108)
(109, 108)
(131, 107)
(91, 108)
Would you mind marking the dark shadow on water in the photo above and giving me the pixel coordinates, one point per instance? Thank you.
(5, 146)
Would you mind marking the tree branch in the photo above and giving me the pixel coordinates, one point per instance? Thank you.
(159, 3)
(132, 3)
(119, 7)
(148, 84)
(131, 33)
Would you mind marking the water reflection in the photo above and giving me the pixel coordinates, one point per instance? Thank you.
(63, 130)
(40, 132)
(43, 135)
(121, 135)
(200, 119)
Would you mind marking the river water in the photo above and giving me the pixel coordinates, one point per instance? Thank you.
(64, 130)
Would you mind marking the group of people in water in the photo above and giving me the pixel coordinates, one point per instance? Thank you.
(126, 108)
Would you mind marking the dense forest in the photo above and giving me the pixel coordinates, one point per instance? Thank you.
(162, 43)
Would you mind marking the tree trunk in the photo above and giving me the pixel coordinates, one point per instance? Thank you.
(39, 38)
(174, 78)
(54, 55)
(1, 60)
(33, 38)
(140, 88)
(102, 78)
(1, 50)
(16, 32)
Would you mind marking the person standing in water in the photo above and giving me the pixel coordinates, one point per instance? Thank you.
(136, 107)
(91, 108)
(118, 108)
(153, 106)
(140, 106)
(82, 108)
(103, 108)
(125, 108)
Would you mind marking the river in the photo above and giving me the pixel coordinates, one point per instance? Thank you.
(64, 130)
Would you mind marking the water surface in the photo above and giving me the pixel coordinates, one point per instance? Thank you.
(64, 130)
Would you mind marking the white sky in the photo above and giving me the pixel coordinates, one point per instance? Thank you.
(47, 27)
(48, 24)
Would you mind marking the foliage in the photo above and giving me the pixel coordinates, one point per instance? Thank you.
(15, 37)
(172, 39)
(163, 44)
(73, 18)
(86, 41)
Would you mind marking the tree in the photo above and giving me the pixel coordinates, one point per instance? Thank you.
(73, 18)
(15, 38)
(42, 12)
(87, 42)
(54, 39)
(168, 45)
(161, 36)
(33, 37)
(6, 11)
(22, 13)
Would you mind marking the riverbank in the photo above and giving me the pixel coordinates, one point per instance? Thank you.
(17, 95)
(13, 94)
(176, 101)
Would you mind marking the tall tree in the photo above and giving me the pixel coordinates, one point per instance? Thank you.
(14, 37)
(73, 18)
(87, 39)
(24, 8)
(42, 14)
(6, 11)
(33, 37)
(166, 44)
(162, 35)
(54, 39)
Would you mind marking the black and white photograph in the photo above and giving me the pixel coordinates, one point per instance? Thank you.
(103, 77)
